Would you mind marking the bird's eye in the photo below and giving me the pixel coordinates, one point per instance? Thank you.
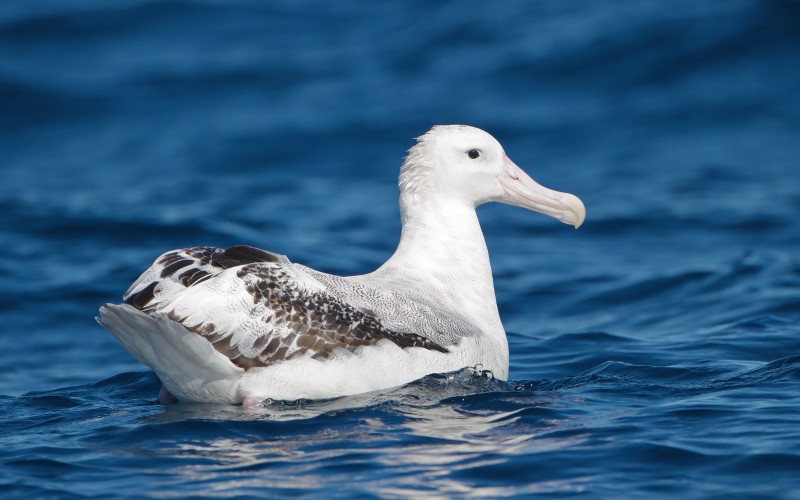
(473, 154)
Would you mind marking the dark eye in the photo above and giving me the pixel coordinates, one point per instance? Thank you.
(473, 153)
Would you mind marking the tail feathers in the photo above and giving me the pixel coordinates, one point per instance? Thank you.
(187, 364)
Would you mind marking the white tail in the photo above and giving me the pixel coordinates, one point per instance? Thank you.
(187, 364)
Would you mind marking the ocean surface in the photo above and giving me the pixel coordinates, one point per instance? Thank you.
(655, 352)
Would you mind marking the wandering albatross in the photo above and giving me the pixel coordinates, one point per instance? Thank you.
(242, 324)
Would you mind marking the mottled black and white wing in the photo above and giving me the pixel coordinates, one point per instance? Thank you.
(177, 270)
(257, 309)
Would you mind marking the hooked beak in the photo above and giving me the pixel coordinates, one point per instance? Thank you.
(522, 191)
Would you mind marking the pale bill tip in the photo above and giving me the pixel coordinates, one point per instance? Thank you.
(577, 211)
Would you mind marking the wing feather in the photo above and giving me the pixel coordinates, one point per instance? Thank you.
(257, 308)
(177, 270)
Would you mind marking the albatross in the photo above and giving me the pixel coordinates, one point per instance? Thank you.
(241, 325)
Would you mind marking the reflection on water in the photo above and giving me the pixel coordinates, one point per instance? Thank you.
(432, 434)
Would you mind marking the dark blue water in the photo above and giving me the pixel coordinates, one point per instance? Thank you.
(654, 352)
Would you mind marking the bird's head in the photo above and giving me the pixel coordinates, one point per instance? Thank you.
(467, 165)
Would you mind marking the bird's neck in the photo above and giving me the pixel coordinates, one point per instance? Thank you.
(442, 249)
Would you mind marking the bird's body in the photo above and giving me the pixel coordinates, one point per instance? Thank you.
(229, 325)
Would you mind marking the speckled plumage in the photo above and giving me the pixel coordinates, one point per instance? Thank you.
(292, 321)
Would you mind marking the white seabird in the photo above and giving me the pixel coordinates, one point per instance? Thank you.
(243, 324)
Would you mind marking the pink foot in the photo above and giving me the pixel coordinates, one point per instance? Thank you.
(165, 398)
(251, 403)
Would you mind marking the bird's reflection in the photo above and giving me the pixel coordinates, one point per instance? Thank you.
(429, 437)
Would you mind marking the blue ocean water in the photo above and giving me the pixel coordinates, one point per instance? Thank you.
(654, 352)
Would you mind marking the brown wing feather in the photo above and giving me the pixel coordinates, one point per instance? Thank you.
(302, 323)
(190, 266)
